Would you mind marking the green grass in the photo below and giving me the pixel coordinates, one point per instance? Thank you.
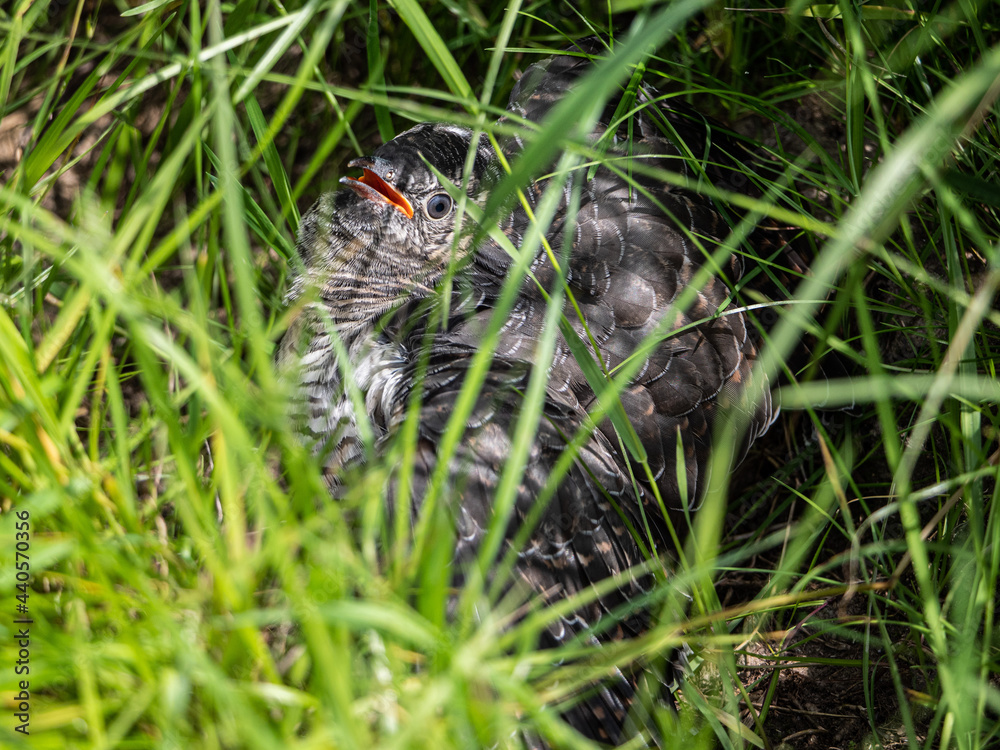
(146, 233)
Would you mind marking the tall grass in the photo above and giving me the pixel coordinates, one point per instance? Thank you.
(147, 222)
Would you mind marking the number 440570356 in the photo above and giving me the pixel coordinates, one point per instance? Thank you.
(22, 564)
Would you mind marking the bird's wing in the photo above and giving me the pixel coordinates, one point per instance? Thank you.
(644, 261)
(640, 267)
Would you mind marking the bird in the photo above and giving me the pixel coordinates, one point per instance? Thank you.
(398, 287)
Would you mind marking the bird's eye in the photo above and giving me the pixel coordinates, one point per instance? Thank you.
(438, 205)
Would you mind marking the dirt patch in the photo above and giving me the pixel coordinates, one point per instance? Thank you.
(826, 681)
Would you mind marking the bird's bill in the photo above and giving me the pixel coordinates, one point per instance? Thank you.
(374, 188)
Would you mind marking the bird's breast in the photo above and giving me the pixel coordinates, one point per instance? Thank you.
(376, 367)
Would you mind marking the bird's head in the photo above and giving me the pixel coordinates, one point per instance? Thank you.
(389, 235)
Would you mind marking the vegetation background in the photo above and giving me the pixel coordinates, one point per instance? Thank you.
(156, 159)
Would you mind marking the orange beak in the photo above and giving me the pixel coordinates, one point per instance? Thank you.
(374, 188)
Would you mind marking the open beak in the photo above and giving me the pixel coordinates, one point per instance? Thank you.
(374, 188)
